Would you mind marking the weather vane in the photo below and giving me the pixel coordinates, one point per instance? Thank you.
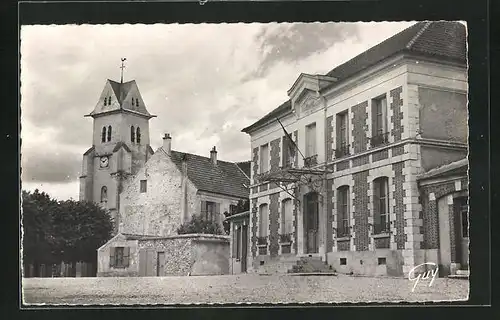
(122, 67)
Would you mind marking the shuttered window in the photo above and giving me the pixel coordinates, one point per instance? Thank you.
(264, 158)
(210, 210)
(119, 257)
(287, 217)
(311, 140)
(263, 218)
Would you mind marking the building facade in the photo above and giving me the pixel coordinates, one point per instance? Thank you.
(344, 184)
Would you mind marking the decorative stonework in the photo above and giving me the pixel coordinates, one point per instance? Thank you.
(343, 165)
(329, 138)
(359, 161)
(255, 160)
(360, 116)
(361, 210)
(254, 227)
(380, 155)
(397, 114)
(399, 208)
(274, 224)
(398, 151)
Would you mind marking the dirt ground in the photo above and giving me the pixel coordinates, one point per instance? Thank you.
(238, 289)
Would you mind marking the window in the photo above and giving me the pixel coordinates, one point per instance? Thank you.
(209, 210)
(288, 152)
(382, 261)
(311, 140)
(343, 261)
(263, 218)
(264, 158)
(103, 136)
(136, 102)
(105, 100)
(132, 134)
(133, 102)
(238, 243)
(343, 211)
(138, 135)
(109, 133)
(144, 186)
(286, 217)
(104, 194)
(233, 209)
(342, 137)
(119, 257)
(381, 205)
(379, 122)
(109, 100)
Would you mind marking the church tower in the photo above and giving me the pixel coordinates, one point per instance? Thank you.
(120, 144)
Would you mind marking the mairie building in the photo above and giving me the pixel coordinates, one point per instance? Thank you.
(364, 168)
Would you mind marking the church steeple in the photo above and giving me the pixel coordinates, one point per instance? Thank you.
(122, 67)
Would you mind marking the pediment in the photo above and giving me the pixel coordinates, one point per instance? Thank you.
(305, 93)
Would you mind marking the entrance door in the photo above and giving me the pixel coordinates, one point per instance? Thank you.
(160, 263)
(244, 247)
(146, 263)
(311, 216)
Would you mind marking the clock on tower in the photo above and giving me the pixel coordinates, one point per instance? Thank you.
(104, 162)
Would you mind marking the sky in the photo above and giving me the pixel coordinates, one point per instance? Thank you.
(205, 82)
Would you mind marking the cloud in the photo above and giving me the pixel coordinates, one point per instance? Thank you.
(204, 82)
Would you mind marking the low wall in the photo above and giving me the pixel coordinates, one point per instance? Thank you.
(210, 255)
(367, 262)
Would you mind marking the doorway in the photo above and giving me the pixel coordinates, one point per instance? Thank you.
(311, 222)
(146, 263)
(160, 264)
(244, 248)
(462, 231)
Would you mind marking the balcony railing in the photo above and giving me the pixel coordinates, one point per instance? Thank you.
(311, 161)
(379, 139)
(342, 151)
(379, 228)
(285, 238)
(343, 230)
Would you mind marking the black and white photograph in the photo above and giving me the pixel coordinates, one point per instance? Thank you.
(244, 163)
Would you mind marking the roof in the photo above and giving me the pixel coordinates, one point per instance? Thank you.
(119, 145)
(121, 91)
(245, 167)
(224, 178)
(457, 167)
(241, 215)
(444, 40)
(89, 150)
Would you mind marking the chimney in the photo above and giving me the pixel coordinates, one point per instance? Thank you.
(167, 143)
(213, 156)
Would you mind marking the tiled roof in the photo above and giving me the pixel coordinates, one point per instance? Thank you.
(245, 167)
(457, 167)
(439, 39)
(224, 178)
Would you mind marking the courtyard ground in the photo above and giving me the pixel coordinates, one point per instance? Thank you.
(238, 289)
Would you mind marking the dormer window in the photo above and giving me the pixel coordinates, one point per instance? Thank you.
(136, 102)
(109, 100)
(105, 101)
(132, 134)
(133, 102)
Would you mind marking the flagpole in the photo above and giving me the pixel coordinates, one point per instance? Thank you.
(290, 138)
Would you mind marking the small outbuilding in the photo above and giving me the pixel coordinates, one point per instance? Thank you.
(239, 245)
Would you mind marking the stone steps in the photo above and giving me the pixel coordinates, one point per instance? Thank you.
(310, 265)
(460, 274)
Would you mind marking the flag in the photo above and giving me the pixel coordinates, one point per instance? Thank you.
(290, 148)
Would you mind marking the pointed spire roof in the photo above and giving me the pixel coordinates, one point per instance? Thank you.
(124, 97)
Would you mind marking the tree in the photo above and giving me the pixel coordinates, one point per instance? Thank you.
(81, 228)
(198, 224)
(39, 243)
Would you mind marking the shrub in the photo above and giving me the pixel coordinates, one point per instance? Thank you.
(198, 224)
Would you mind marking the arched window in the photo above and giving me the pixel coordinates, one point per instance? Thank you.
(136, 102)
(104, 194)
(343, 211)
(381, 205)
(105, 100)
(109, 100)
(109, 133)
(132, 134)
(133, 102)
(138, 135)
(103, 136)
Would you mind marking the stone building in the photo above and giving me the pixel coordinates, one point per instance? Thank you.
(150, 194)
(372, 177)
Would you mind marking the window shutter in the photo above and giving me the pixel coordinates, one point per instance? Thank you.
(111, 257)
(374, 118)
(203, 209)
(126, 256)
(384, 115)
(376, 201)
